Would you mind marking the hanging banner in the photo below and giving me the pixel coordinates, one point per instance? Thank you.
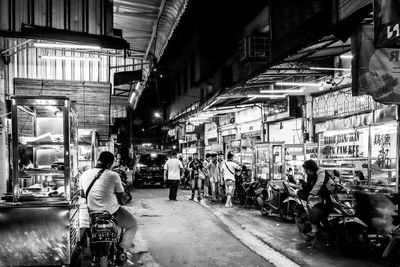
(375, 72)
(386, 21)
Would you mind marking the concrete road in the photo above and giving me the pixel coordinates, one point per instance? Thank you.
(184, 233)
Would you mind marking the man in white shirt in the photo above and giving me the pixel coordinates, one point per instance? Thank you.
(105, 193)
(173, 170)
(229, 169)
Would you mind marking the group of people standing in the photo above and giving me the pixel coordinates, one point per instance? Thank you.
(213, 175)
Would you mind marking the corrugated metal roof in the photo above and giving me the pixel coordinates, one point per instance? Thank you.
(147, 22)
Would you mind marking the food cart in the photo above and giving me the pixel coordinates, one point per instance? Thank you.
(269, 160)
(38, 214)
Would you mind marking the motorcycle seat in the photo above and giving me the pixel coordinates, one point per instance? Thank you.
(100, 215)
(276, 187)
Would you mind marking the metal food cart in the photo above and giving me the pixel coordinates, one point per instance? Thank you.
(38, 214)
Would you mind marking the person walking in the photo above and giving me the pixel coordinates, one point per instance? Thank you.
(229, 169)
(221, 189)
(173, 170)
(195, 167)
(206, 170)
(214, 175)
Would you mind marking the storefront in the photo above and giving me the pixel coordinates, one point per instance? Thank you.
(363, 148)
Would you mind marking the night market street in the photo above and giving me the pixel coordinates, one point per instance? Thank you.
(184, 233)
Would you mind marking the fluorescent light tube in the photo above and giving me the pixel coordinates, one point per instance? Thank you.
(346, 56)
(323, 68)
(298, 84)
(267, 96)
(281, 91)
(72, 46)
(72, 58)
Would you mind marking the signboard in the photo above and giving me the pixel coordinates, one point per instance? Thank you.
(190, 137)
(171, 132)
(311, 151)
(190, 128)
(387, 23)
(375, 72)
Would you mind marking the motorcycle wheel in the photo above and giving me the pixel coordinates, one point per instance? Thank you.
(264, 211)
(394, 256)
(352, 241)
(236, 200)
(287, 212)
(303, 223)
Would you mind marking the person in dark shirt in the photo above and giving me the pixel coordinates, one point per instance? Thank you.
(195, 167)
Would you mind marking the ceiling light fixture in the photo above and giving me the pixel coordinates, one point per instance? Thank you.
(346, 56)
(281, 91)
(72, 46)
(72, 58)
(298, 84)
(334, 69)
(267, 96)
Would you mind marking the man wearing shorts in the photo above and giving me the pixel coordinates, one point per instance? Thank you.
(229, 168)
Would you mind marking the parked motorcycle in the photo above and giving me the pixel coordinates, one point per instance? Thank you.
(392, 250)
(244, 191)
(104, 238)
(124, 178)
(276, 199)
(342, 225)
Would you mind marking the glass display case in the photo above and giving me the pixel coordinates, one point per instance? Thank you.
(294, 159)
(44, 183)
(347, 152)
(262, 160)
(269, 161)
(88, 149)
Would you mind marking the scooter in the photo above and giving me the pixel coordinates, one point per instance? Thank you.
(392, 250)
(276, 200)
(341, 226)
(124, 178)
(244, 191)
(104, 238)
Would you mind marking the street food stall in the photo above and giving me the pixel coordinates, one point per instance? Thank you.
(38, 213)
(269, 161)
(364, 149)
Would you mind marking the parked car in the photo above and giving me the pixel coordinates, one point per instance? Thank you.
(149, 170)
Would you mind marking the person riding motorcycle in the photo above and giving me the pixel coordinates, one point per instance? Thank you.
(103, 191)
(317, 191)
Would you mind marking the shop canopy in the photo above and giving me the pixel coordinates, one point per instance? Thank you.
(307, 65)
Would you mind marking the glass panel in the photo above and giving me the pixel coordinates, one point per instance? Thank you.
(262, 161)
(383, 155)
(277, 162)
(294, 159)
(347, 152)
(40, 153)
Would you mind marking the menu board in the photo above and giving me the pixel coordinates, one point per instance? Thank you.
(345, 151)
(262, 152)
(294, 159)
(383, 154)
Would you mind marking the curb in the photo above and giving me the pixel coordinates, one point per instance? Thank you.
(253, 242)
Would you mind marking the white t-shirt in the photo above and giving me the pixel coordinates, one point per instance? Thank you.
(102, 195)
(173, 166)
(229, 169)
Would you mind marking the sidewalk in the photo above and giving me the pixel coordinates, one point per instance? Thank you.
(282, 238)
